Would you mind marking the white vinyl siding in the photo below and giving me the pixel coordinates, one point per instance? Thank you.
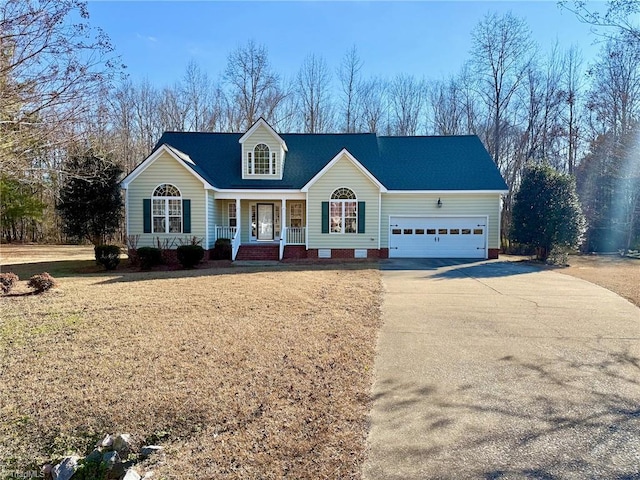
(343, 174)
(453, 204)
(165, 169)
(262, 135)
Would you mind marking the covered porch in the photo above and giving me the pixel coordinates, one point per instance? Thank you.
(260, 221)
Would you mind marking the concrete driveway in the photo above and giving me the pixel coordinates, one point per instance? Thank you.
(495, 370)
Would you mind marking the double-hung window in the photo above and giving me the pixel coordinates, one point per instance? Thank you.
(343, 211)
(233, 219)
(166, 206)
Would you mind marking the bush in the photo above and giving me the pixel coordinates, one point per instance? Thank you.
(222, 249)
(41, 282)
(190, 255)
(108, 256)
(149, 257)
(8, 281)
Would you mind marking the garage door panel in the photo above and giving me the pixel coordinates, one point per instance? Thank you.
(437, 237)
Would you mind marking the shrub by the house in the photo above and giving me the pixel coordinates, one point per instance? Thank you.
(222, 249)
(41, 282)
(108, 256)
(149, 257)
(8, 281)
(190, 255)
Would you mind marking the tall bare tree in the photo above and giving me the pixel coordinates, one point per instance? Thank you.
(501, 52)
(314, 94)
(447, 113)
(572, 87)
(52, 70)
(407, 97)
(255, 89)
(614, 98)
(350, 86)
(374, 108)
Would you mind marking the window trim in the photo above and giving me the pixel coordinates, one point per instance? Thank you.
(343, 218)
(271, 160)
(167, 216)
(231, 205)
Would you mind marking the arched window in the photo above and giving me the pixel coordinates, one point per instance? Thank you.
(261, 160)
(166, 204)
(343, 211)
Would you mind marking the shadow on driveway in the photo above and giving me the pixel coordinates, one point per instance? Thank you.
(458, 268)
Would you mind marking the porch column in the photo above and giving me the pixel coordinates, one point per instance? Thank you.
(283, 219)
(238, 218)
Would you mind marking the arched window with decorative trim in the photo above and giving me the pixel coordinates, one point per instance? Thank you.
(343, 211)
(261, 160)
(166, 206)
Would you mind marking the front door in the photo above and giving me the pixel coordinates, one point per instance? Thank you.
(265, 221)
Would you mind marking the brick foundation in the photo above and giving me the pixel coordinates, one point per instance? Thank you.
(493, 253)
(295, 251)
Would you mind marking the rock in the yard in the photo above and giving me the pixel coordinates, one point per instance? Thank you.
(47, 471)
(150, 450)
(94, 457)
(148, 475)
(131, 475)
(122, 443)
(107, 442)
(66, 468)
(110, 459)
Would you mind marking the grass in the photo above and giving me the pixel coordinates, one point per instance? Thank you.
(239, 373)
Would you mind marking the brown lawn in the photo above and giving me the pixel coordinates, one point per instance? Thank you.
(238, 372)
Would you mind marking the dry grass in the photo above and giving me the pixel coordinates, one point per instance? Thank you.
(240, 373)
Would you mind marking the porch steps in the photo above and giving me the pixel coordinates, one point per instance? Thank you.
(258, 252)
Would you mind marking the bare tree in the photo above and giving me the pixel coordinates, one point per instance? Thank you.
(350, 84)
(255, 88)
(572, 88)
(501, 53)
(52, 72)
(447, 113)
(314, 94)
(619, 14)
(373, 93)
(614, 98)
(406, 102)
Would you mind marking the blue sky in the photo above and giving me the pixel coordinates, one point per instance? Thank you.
(157, 39)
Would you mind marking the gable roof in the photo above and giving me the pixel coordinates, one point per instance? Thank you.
(262, 122)
(399, 163)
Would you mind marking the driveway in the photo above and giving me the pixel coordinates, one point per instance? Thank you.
(496, 370)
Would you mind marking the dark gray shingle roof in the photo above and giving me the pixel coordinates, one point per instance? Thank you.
(399, 163)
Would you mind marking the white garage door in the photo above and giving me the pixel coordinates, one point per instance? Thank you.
(437, 237)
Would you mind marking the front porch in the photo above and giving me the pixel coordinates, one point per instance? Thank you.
(260, 229)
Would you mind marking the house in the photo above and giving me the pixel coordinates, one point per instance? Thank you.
(318, 195)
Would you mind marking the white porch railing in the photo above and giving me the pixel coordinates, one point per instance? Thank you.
(235, 244)
(223, 231)
(295, 235)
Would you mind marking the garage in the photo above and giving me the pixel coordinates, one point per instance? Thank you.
(437, 237)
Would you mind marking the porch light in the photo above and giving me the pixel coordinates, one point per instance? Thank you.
(439, 203)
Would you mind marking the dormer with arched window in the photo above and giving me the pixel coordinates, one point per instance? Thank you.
(263, 152)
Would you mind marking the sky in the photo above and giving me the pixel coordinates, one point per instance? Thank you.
(157, 39)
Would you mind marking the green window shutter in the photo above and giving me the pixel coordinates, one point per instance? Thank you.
(186, 216)
(146, 214)
(361, 217)
(325, 217)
